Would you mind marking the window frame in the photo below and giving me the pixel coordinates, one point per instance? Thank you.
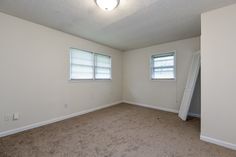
(93, 53)
(162, 54)
(101, 67)
(70, 74)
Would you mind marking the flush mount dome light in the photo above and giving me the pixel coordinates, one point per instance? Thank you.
(107, 5)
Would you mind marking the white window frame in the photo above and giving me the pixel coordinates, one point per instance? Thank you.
(162, 55)
(94, 72)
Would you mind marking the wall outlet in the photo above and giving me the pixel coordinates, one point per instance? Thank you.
(16, 116)
(7, 117)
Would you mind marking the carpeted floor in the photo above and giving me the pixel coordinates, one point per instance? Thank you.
(119, 131)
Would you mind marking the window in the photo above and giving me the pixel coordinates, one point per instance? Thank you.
(102, 66)
(81, 64)
(163, 66)
(89, 65)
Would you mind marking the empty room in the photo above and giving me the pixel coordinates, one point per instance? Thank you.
(117, 78)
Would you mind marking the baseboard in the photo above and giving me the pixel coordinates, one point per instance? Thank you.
(38, 124)
(35, 125)
(152, 107)
(160, 108)
(218, 142)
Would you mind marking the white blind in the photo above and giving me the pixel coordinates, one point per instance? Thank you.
(102, 66)
(163, 66)
(81, 64)
(89, 65)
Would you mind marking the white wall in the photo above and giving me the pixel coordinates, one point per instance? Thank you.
(34, 72)
(218, 75)
(139, 88)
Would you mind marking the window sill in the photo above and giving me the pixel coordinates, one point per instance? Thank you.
(170, 79)
(89, 80)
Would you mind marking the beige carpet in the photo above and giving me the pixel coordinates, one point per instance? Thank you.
(119, 131)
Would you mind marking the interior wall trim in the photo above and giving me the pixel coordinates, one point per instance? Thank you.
(57, 119)
(161, 108)
(218, 142)
(152, 106)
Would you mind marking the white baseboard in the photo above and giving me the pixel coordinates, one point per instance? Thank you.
(152, 107)
(160, 108)
(218, 142)
(203, 138)
(38, 124)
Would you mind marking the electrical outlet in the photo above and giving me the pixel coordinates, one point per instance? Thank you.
(16, 116)
(7, 117)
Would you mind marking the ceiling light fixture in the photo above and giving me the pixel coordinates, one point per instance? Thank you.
(107, 5)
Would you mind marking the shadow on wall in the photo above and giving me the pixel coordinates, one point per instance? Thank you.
(195, 106)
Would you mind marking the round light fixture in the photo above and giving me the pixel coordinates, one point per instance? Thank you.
(107, 5)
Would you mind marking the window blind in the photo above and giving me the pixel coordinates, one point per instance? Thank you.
(163, 66)
(81, 64)
(102, 66)
(89, 65)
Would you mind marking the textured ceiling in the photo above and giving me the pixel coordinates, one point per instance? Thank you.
(134, 24)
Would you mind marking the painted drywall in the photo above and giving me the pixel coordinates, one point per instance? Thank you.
(218, 87)
(34, 69)
(167, 94)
